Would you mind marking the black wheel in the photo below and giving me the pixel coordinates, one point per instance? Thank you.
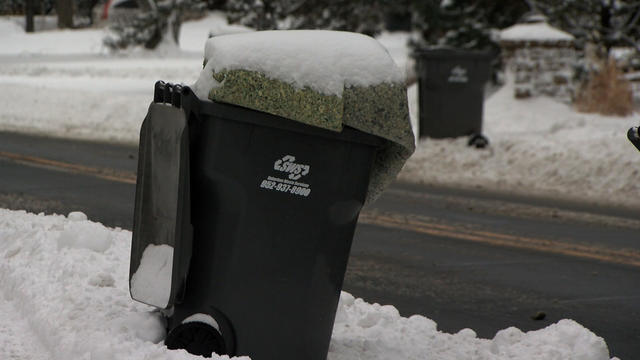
(197, 338)
(634, 136)
(479, 141)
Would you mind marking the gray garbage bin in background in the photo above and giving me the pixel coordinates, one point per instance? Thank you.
(451, 93)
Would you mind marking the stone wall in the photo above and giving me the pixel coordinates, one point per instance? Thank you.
(541, 68)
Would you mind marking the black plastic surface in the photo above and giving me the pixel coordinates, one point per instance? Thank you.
(274, 204)
(197, 338)
(634, 136)
(451, 92)
(162, 204)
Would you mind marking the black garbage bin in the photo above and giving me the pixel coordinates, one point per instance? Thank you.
(253, 217)
(451, 92)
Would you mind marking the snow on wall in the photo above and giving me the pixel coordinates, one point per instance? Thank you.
(61, 303)
(538, 32)
(542, 60)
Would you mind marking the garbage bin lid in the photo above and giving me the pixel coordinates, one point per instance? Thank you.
(451, 54)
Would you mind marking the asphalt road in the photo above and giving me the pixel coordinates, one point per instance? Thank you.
(466, 259)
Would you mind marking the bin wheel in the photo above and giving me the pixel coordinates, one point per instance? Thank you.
(479, 141)
(197, 338)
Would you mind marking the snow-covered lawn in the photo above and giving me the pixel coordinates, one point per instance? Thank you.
(538, 147)
(65, 295)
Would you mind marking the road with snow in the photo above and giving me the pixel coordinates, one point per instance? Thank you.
(463, 258)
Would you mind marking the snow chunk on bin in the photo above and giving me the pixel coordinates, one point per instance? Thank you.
(151, 283)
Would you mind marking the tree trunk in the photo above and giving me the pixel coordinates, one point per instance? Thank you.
(28, 11)
(64, 8)
(605, 24)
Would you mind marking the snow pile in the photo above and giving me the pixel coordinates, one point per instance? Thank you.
(72, 302)
(538, 147)
(8, 27)
(58, 42)
(541, 32)
(193, 35)
(73, 234)
(374, 332)
(97, 99)
(324, 61)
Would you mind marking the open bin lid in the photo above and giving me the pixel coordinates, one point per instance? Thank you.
(162, 233)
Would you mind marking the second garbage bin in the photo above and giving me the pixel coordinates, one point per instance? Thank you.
(267, 210)
(451, 92)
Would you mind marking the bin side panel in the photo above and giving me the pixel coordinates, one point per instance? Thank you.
(161, 233)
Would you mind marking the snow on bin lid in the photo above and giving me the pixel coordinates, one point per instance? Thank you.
(538, 31)
(325, 79)
(324, 61)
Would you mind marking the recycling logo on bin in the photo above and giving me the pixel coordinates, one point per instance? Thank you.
(294, 171)
(458, 75)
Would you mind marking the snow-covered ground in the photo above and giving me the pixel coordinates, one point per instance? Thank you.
(538, 147)
(64, 279)
(65, 295)
(64, 83)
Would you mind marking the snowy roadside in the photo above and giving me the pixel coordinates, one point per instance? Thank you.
(65, 292)
(538, 147)
(65, 296)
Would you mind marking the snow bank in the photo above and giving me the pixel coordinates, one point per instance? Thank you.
(57, 42)
(193, 35)
(72, 302)
(93, 99)
(374, 332)
(538, 147)
(9, 28)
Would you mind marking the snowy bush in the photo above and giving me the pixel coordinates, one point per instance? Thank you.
(464, 24)
(156, 22)
(361, 16)
(607, 92)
